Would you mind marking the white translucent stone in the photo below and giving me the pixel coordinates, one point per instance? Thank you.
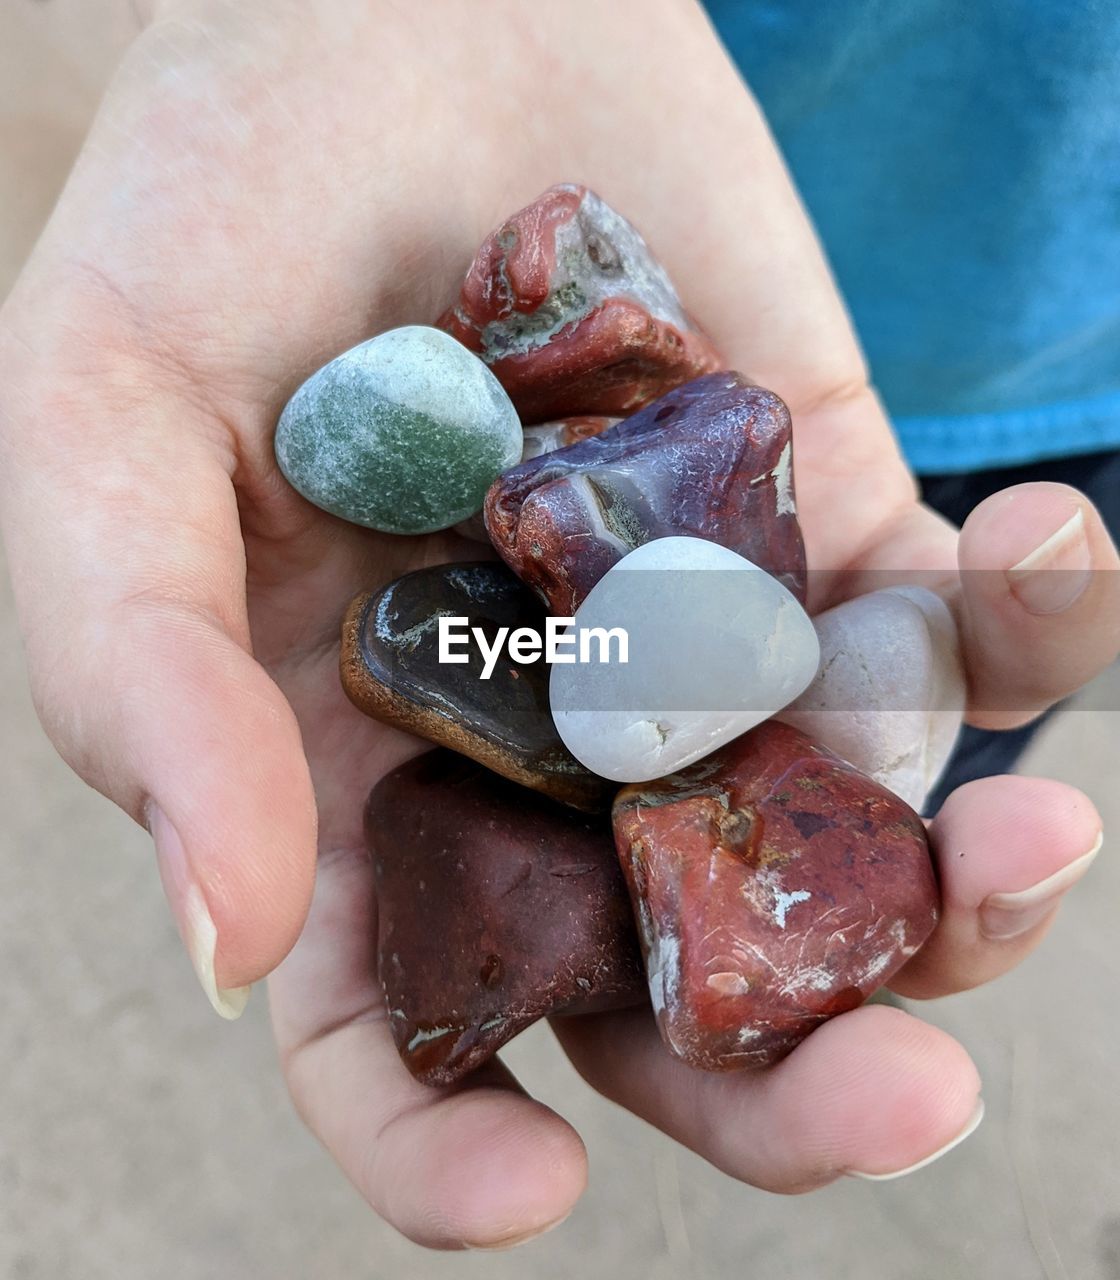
(716, 646)
(890, 694)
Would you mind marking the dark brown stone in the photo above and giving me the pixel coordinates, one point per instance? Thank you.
(775, 886)
(496, 907)
(390, 670)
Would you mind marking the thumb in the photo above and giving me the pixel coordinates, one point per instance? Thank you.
(127, 561)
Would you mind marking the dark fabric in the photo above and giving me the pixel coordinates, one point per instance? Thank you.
(1095, 474)
(980, 753)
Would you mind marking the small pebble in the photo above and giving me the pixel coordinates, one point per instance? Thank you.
(890, 694)
(714, 647)
(573, 313)
(391, 670)
(712, 459)
(403, 434)
(496, 907)
(774, 886)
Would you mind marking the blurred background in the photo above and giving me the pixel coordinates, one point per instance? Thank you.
(141, 1138)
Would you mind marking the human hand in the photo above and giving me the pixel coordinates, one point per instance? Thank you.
(268, 185)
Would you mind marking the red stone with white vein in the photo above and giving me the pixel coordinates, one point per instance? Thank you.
(573, 313)
(775, 886)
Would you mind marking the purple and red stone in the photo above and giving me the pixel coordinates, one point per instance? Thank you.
(712, 459)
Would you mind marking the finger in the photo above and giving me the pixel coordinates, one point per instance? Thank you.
(874, 1092)
(1040, 601)
(129, 573)
(481, 1165)
(1034, 579)
(1008, 850)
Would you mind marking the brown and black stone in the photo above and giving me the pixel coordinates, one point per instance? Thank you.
(391, 670)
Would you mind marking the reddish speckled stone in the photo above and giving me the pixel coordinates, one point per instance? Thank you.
(573, 313)
(496, 907)
(712, 459)
(775, 886)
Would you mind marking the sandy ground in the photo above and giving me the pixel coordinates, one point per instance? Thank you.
(140, 1138)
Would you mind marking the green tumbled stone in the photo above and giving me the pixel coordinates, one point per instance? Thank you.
(404, 433)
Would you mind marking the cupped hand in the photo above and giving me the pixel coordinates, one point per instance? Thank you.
(267, 185)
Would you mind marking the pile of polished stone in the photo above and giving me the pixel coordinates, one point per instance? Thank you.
(763, 874)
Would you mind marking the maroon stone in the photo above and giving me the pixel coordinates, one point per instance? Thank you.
(573, 313)
(496, 907)
(775, 886)
(713, 459)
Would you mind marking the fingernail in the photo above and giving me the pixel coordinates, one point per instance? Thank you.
(196, 925)
(1056, 572)
(1007, 915)
(513, 1241)
(967, 1131)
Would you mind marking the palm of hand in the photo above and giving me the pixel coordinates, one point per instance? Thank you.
(248, 257)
